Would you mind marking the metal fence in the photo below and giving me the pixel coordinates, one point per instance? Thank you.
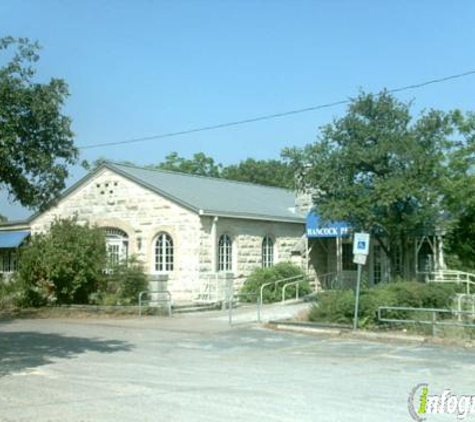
(452, 276)
(437, 317)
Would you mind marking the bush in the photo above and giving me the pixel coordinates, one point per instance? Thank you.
(279, 271)
(63, 266)
(122, 284)
(10, 291)
(338, 306)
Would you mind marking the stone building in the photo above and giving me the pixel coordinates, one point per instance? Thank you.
(194, 233)
(191, 231)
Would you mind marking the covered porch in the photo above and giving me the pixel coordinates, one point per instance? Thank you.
(330, 256)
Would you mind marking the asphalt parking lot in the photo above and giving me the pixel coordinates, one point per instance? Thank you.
(197, 368)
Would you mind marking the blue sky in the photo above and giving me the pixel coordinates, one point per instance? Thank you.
(142, 67)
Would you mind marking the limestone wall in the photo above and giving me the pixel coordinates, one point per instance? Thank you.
(110, 200)
(247, 236)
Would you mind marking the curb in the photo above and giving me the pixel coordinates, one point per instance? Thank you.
(307, 328)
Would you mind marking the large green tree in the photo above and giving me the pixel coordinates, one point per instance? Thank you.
(36, 141)
(459, 199)
(263, 172)
(379, 169)
(200, 164)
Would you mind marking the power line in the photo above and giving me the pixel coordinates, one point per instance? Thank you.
(271, 116)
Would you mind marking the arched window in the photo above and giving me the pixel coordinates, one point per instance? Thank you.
(164, 253)
(267, 252)
(225, 253)
(117, 244)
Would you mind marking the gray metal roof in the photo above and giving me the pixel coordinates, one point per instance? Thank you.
(211, 196)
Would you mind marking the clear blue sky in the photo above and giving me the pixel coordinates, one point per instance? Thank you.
(142, 67)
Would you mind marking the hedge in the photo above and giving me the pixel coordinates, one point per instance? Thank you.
(337, 306)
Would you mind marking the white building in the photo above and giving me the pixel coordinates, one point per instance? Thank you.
(190, 229)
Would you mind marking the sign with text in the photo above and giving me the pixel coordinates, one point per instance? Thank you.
(361, 244)
(319, 229)
(360, 259)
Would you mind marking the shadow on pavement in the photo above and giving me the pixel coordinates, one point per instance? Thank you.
(23, 350)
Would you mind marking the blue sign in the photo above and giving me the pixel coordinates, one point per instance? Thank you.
(333, 229)
(361, 244)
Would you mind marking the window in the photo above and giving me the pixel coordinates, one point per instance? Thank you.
(225, 253)
(117, 243)
(164, 253)
(8, 261)
(267, 252)
(347, 257)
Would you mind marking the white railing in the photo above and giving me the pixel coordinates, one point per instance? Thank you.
(465, 299)
(452, 276)
(295, 283)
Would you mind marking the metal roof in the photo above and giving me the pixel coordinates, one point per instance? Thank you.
(12, 239)
(213, 196)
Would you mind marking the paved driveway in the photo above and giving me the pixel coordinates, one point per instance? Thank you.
(195, 368)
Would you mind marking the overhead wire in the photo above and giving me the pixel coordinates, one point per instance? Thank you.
(270, 116)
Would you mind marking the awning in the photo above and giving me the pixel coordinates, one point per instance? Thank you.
(12, 239)
(333, 229)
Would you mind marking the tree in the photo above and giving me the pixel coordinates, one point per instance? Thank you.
(64, 265)
(263, 172)
(200, 164)
(36, 141)
(459, 198)
(379, 169)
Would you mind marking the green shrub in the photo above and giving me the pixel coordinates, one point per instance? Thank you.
(122, 284)
(338, 306)
(63, 266)
(10, 291)
(333, 306)
(280, 271)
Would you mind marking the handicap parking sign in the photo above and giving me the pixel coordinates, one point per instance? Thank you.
(361, 244)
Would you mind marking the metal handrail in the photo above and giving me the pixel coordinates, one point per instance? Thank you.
(275, 284)
(433, 322)
(452, 276)
(463, 297)
(297, 284)
(168, 300)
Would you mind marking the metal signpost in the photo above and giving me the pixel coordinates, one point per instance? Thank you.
(360, 253)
